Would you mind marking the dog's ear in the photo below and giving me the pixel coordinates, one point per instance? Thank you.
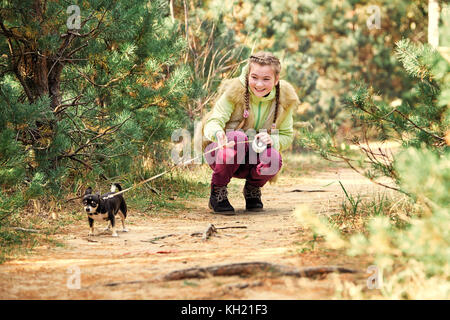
(88, 191)
(97, 197)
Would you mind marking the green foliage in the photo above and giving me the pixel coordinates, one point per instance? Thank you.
(213, 52)
(325, 46)
(423, 246)
(413, 254)
(354, 203)
(406, 240)
(119, 83)
(84, 107)
(420, 119)
(277, 27)
(426, 175)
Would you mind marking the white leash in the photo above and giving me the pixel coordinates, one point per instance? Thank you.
(229, 144)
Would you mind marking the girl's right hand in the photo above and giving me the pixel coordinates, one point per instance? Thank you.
(221, 139)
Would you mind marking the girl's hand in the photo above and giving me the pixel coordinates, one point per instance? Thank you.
(264, 137)
(221, 139)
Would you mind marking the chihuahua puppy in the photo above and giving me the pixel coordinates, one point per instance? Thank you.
(103, 208)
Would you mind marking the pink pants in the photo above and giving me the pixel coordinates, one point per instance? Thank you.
(242, 162)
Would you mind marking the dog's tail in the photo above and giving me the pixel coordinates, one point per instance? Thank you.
(115, 187)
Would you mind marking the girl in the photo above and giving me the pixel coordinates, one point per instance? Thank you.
(257, 101)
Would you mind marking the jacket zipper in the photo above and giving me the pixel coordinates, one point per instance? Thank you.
(259, 114)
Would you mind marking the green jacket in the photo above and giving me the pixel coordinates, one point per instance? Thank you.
(227, 112)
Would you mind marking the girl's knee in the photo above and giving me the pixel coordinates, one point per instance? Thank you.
(241, 145)
(210, 156)
(225, 156)
(272, 155)
(270, 162)
(236, 136)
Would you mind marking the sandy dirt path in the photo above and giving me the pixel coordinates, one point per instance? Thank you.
(125, 267)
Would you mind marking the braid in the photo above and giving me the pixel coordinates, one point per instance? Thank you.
(266, 58)
(277, 103)
(247, 94)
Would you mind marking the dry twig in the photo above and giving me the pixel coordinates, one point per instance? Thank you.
(206, 234)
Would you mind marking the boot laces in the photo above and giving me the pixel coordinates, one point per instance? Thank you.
(221, 193)
(252, 191)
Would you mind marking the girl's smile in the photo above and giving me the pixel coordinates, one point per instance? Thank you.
(261, 79)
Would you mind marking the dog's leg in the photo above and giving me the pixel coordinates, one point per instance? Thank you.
(108, 227)
(91, 226)
(122, 217)
(123, 208)
(113, 224)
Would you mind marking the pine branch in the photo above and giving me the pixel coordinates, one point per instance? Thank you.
(109, 82)
(89, 142)
(416, 126)
(385, 118)
(370, 178)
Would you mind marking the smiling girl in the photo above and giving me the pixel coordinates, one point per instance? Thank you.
(256, 105)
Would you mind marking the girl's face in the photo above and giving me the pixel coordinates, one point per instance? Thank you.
(261, 79)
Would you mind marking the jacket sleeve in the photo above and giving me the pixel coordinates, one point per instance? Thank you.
(220, 115)
(285, 136)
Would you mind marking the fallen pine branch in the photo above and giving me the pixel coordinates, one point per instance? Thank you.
(248, 268)
(76, 198)
(240, 269)
(26, 230)
(160, 237)
(196, 234)
(212, 229)
(245, 285)
(114, 284)
(234, 227)
(299, 190)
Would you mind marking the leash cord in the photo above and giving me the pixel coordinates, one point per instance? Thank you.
(229, 144)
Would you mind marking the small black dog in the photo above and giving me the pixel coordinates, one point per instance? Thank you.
(103, 208)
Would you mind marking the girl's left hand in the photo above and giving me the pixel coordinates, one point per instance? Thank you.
(264, 137)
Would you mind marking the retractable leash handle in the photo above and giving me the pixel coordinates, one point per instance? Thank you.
(258, 146)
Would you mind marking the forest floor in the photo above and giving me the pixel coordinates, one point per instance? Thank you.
(131, 265)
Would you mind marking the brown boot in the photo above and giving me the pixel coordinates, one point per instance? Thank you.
(252, 195)
(218, 200)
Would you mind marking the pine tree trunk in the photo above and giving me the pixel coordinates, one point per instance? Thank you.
(172, 14)
(54, 81)
(433, 23)
(39, 72)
